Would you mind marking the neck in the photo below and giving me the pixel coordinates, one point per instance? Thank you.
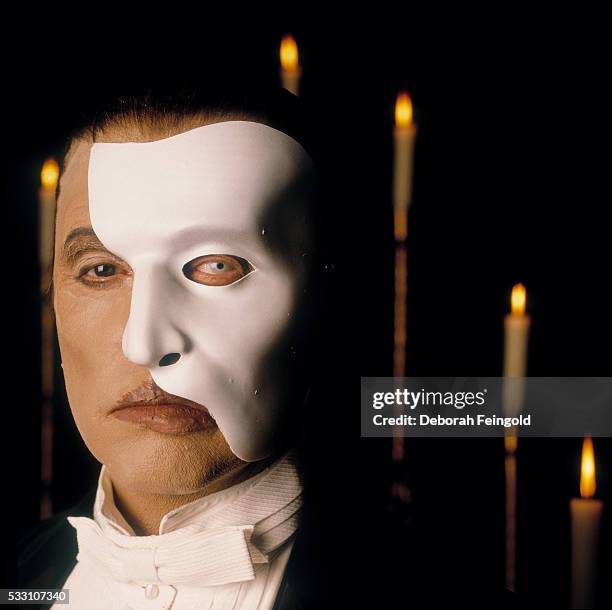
(144, 512)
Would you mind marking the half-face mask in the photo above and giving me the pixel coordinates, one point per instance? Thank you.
(214, 223)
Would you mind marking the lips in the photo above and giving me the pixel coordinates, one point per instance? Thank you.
(149, 406)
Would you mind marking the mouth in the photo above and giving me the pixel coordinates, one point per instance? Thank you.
(162, 412)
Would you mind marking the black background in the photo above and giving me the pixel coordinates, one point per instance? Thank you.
(511, 184)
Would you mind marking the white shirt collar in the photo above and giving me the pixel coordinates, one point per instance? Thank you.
(269, 500)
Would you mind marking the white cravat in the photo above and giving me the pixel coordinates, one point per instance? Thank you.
(228, 549)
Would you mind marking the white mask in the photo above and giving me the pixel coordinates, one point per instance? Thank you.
(236, 188)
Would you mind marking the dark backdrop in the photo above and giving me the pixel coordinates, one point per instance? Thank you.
(510, 185)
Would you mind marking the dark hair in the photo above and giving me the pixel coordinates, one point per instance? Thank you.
(163, 112)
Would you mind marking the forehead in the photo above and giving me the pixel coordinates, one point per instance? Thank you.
(73, 204)
(224, 173)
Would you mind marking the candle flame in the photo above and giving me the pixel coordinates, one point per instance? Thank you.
(587, 469)
(49, 174)
(517, 299)
(403, 110)
(289, 54)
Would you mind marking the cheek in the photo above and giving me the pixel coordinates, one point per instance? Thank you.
(89, 328)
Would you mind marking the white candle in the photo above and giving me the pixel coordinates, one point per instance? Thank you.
(46, 219)
(586, 518)
(46, 212)
(516, 325)
(516, 331)
(290, 72)
(404, 136)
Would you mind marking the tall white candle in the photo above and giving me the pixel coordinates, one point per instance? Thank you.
(586, 518)
(516, 325)
(516, 340)
(516, 330)
(290, 72)
(46, 219)
(46, 212)
(404, 136)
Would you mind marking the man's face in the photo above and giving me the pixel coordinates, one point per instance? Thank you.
(179, 266)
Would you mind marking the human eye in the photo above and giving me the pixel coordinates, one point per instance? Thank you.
(217, 269)
(101, 273)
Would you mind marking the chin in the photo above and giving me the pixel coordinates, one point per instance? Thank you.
(170, 464)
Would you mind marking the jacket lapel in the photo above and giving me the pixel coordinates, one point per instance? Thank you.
(48, 550)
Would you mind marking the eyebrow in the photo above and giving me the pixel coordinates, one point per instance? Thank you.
(78, 241)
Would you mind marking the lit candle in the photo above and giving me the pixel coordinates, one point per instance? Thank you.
(586, 517)
(516, 327)
(46, 218)
(46, 212)
(290, 65)
(404, 136)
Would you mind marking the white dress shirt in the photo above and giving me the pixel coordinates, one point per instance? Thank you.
(228, 550)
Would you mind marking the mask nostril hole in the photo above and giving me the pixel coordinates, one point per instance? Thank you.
(169, 359)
